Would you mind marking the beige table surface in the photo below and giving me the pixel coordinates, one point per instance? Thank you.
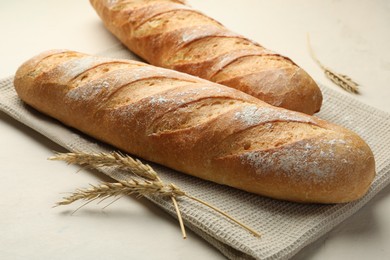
(350, 36)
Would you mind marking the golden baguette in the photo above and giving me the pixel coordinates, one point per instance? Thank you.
(172, 35)
(198, 127)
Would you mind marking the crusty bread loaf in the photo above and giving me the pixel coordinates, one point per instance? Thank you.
(199, 127)
(169, 34)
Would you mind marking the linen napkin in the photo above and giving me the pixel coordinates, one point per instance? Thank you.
(285, 227)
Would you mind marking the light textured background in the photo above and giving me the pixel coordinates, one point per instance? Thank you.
(349, 36)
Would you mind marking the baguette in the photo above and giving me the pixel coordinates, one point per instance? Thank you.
(198, 127)
(169, 34)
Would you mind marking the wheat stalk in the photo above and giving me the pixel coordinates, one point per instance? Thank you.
(342, 80)
(151, 185)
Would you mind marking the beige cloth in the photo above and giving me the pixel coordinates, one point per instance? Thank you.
(285, 227)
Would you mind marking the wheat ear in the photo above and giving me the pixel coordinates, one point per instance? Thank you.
(112, 159)
(152, 185)
(342, 80)
(129, 187)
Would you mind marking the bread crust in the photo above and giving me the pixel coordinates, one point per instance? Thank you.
(171, 34)
(198, 127)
